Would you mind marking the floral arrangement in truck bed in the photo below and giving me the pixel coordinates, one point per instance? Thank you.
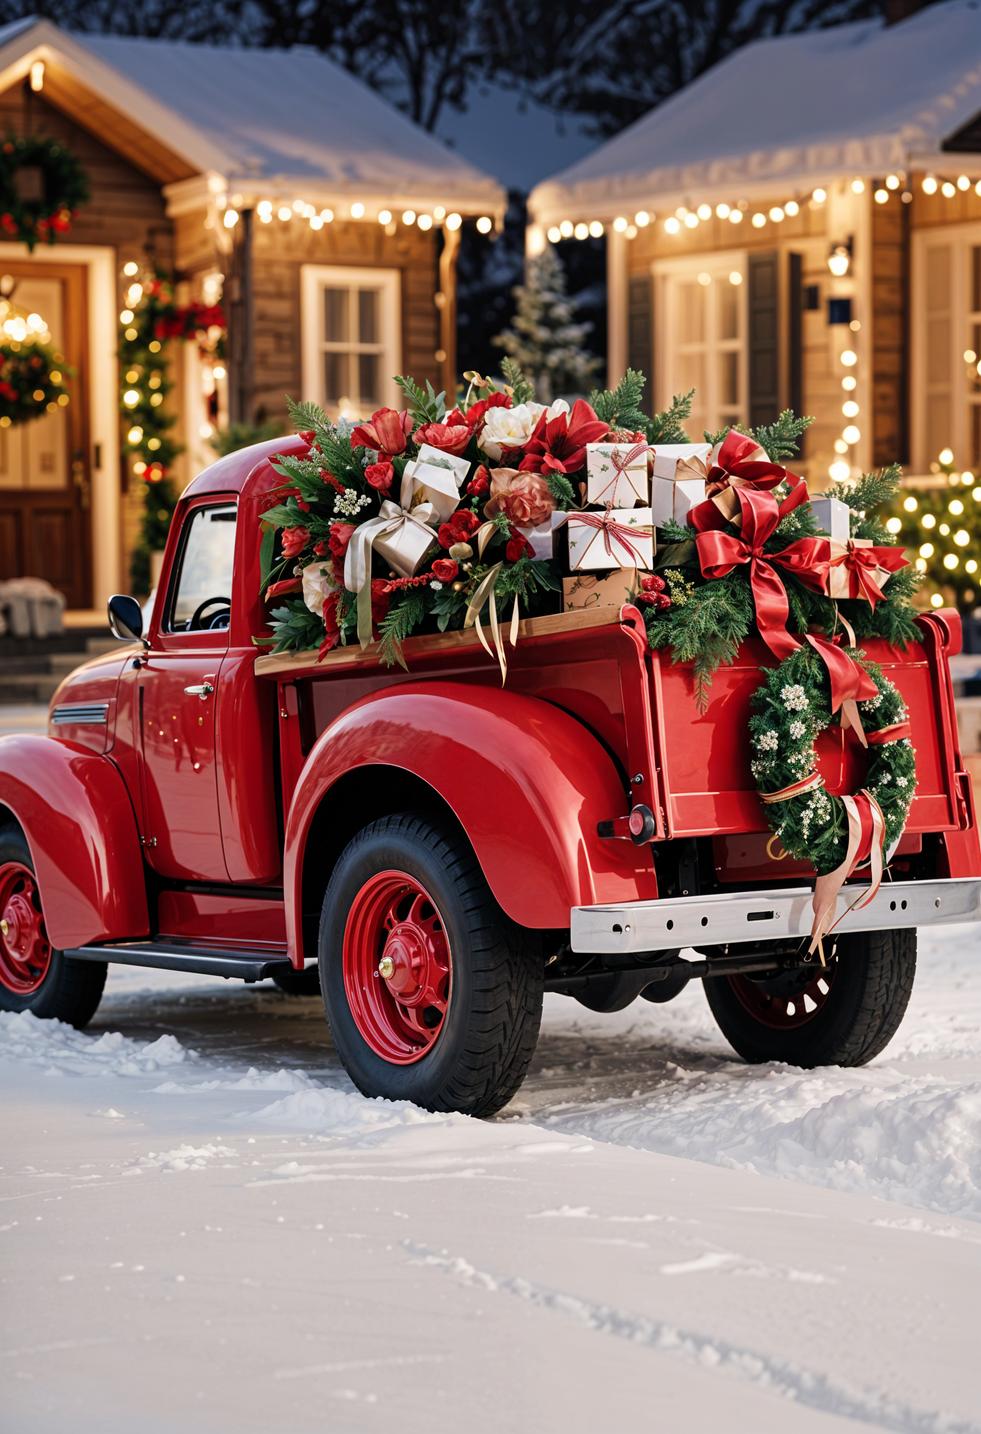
(437, 517)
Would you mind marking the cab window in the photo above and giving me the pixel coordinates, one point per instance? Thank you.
(200, 591)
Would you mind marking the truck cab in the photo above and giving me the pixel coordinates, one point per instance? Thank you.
(432, 852)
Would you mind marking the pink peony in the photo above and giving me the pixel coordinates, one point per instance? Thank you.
(523, 498)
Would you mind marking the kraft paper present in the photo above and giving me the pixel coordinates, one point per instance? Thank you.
(833, 517)
(617, 474)
(678, 481)
(436, 484)
(588, 590)
(618, 538)
(541, 536)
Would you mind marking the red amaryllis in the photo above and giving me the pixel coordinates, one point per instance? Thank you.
(445, 569)
(558, 444)
(450, 436)
(388, 432)
(294, 541)
(380, 476)
(340, 536)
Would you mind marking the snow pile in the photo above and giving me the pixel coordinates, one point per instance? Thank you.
(255, 1080)
(180, 1159)
(324, 1111)
(63, 1051)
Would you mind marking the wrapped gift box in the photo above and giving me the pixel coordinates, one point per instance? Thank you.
(617, 474)
(839, 578)
(618, 538)
(405, 549)
(832, 516)
(436, 479)
(586, 590)
(678, 482)
(541, 536)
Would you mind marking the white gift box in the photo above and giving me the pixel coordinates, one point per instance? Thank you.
(832, 517)
(611, 479)
(541, 536)
(436, 484)
(460, 467)
(596, 543)
(405, 549)
(678, 483)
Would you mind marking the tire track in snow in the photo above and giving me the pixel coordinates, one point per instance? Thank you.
(808, 1388)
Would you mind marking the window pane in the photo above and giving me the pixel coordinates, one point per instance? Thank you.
(205, 569)
(729, 296)
(691, 373)
(729, 380)
(336, 316)
(335, 374)
(691, 313)
(368, 315)
(368, 376)
(938, 351)
(938, 278)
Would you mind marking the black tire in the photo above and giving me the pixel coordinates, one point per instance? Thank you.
(488, 1034)
(298, 983)
(865, 1002)
(71, 990)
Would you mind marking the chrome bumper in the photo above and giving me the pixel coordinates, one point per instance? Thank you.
(662, 925)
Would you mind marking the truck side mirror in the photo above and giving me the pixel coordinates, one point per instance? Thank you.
(126, 619)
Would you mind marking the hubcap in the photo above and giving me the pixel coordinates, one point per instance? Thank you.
(397, 967)
(25, 952)
(788, 1000)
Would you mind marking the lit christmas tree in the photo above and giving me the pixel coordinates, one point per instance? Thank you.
(941, 527)
(544, 337)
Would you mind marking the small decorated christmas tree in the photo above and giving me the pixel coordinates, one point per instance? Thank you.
(941, 526)
(545, 337)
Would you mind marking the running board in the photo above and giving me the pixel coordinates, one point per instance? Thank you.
(732, 916)
(197, 960)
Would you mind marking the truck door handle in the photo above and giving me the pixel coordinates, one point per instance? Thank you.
(201, 689)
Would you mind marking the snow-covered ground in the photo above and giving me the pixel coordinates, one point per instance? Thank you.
(203, 1228)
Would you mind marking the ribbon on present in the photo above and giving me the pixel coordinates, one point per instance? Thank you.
(484, 597)
(392, 520)
(866, 843)
(742, 460)
(621, 460)
(612, 531)
(863, 563)
(720, 551)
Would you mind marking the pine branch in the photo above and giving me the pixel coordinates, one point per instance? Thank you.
(561, 489)
(620, 407)
(873, 490)
(522, 390)
(425, 404)
(401, 620)
(707, 627)
(781, 440)
(666, 426)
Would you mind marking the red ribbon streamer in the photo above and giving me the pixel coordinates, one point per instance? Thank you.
(896, 733)
(861, 563)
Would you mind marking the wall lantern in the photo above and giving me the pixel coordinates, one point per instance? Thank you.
(840, 258)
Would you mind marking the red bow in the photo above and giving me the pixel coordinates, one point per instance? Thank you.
(861, 564)
(720, 551)
(736, 461)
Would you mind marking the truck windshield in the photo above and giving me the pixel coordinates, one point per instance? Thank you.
(201, 586)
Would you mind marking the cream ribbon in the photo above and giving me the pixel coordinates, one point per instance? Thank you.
(392, 520)
(483, 597)
(827, 887)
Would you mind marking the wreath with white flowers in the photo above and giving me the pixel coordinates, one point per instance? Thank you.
(791, 707)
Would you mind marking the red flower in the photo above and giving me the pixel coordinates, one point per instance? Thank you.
(451, 436)
(380, 476)
(518, 547)
(294, 541)
(460, 527)
(329, 478)
(340, 536)
(388, 432)
(331, 626)
(379, 600)
(479, 483)
(445, 569)
(303, 506)
(476, 411)
(558, 444)
(320, 549)
(286, 585)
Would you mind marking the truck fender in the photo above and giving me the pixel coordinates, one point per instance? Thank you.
(75, 812)
(526, 781)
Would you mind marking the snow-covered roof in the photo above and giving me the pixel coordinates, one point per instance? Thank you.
(276, 120)
(857, 99)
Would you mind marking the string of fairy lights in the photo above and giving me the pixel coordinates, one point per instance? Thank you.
(269, 211)
(895, 186)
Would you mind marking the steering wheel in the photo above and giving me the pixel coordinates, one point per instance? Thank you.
(219, 620)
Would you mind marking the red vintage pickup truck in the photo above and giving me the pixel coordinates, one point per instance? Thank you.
(435, 851)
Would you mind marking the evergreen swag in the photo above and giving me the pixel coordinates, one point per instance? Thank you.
(351, 469)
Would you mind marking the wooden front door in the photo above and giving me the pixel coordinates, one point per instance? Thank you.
(45, 488)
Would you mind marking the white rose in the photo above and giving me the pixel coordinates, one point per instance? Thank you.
(317, 583)
(512, 427)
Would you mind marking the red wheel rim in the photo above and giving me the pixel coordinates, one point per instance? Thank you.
(788, 1000)
(397, 967)
(25, 951)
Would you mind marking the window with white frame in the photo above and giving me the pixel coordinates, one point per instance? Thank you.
(350, 327)
(700, 336)
(946, 354)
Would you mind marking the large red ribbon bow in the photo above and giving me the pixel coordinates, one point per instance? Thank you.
(862, 563)
(720, 551)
